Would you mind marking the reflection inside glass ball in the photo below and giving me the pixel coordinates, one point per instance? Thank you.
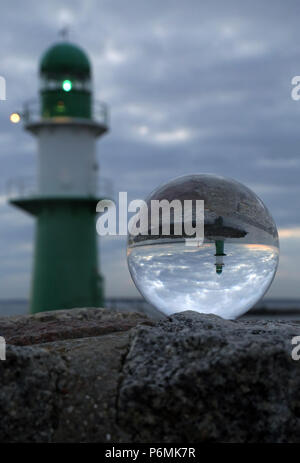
(228, 272)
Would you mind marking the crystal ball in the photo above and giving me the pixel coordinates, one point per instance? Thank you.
(227, 271)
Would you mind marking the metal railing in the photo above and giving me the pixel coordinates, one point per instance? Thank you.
(25, 187)
(20, 187)
(32, 113)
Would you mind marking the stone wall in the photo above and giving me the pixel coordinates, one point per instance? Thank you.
(93, 375)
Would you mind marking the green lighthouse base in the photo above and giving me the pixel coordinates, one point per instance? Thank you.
(65, 263)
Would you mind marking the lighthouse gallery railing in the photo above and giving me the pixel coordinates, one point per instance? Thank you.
(32, 112)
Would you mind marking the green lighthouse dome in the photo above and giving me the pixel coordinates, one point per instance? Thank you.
(65, 57)
(65, 75)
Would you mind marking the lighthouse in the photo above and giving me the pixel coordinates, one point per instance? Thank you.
(218, 232)
(219, 256)
(66, 123)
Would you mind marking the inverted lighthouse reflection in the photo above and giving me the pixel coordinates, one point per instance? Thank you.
(228, 273)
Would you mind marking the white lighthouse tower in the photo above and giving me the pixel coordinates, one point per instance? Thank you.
(66, 125)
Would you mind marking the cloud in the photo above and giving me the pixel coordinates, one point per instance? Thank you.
(288, 233)
(164, 137)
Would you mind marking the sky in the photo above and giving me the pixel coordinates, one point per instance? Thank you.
(192, 87)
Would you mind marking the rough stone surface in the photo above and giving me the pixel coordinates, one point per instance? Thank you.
(64, 390)
(24, 330)
(199, 378)
(29, 403)
(88, 387)
(189, 378)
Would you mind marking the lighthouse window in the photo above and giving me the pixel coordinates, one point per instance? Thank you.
(52, 84)
(66, 85)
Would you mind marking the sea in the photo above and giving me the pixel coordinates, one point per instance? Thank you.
(280, 309)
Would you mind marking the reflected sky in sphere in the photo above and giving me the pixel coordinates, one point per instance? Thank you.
(174, 277)
(227, 272)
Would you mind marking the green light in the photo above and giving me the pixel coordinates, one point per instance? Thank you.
(67, 85)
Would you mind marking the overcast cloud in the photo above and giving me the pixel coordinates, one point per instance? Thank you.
(192, 87)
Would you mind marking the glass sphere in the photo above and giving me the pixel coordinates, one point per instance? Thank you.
(227, 272)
